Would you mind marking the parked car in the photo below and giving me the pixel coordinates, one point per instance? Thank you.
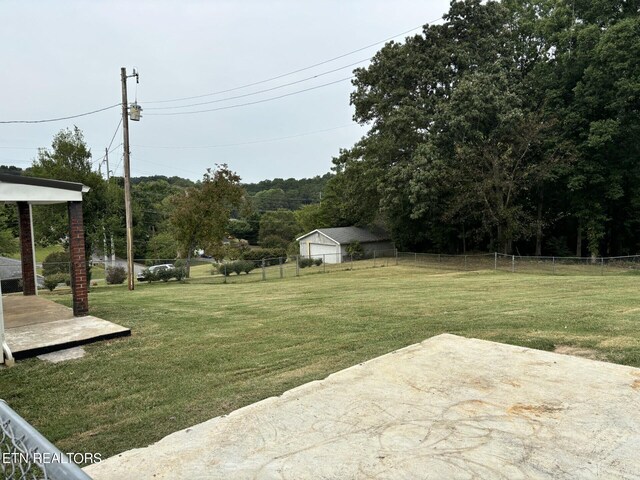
(156, 269)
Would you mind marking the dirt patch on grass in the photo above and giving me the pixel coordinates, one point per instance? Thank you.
(579, 352)
(636, 385)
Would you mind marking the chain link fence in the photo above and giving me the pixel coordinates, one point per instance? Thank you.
(55, 277)
(27, 455)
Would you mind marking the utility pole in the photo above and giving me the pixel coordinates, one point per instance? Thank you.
(127, 177)
(106, 159)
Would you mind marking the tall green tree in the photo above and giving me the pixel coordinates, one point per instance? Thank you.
(278, 228)
(200, 214)
(69, 159)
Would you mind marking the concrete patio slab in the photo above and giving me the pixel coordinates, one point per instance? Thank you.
(448, 407)
(36, 339)
(20, 310)
(35, 325)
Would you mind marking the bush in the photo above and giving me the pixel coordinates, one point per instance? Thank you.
(274, 241)
(355, 250)
(56, 262)
(247, 266)
(236, 267)
(148, 276)
(271, 255)
(52, 281)
(180, 273)
(115, 275)
(225, 269)
(318, 262)
(166, 274)
(306, 262)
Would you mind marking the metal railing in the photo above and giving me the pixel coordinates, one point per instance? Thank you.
(26, 454)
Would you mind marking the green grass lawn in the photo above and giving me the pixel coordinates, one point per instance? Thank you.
(41, 252)
(201, 350)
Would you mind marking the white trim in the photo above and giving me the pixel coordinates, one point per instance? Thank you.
(321, 233)
(11, 192)
(33, 250)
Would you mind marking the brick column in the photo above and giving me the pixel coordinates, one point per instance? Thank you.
(79, 286)
(26, 249)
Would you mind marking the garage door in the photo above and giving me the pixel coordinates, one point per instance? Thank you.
(328, 253)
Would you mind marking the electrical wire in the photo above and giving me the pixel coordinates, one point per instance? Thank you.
(63, 118)
(253, 142)
(255, 102)
(295, 71)
(260, 91)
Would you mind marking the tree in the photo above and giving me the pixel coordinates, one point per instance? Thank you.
(280, 224)
(200, 214)
(8, 222)
(310, 217)
(69, 159)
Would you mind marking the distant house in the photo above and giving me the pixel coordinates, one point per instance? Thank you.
(330, 244)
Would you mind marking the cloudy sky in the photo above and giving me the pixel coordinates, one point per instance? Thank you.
(63, 58)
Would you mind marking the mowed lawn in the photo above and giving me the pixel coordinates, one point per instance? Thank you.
(201, 350)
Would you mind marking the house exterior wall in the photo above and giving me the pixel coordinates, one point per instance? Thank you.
(316, 245)
(381, 248)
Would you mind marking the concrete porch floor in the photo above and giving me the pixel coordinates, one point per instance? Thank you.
(449, 407)
(35, 325)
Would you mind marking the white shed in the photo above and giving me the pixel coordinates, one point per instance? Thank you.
(330, 244)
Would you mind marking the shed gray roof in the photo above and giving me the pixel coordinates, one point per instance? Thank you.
(345, 235)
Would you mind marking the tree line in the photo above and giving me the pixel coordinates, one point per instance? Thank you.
(511, 126)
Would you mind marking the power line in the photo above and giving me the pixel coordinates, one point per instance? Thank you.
(62, 118)
(255, 102)
(260, 91)
(295, 71)
(253, 142)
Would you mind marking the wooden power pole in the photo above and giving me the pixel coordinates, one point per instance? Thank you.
(127, 179)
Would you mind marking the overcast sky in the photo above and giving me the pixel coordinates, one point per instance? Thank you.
(63, 58)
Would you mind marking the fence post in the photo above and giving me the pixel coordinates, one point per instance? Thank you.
(351, 262)
(465, 262)
(396, 256)
(264, 273)
(495, 260)
(415, 259)
(297, 265)
(225, 273)
(280, 263)
(324, 263)
(554, 265)
(601, 265)
(513, 263)
(374, 259)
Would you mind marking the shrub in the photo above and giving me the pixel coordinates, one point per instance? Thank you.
(318, 262)
(271, 255)
(225, 269)
(115, 275)
(180, 273)
(305, 262)
(53, 280)
(148, 276)
(56, 262)
(166, 274)
(273, 241)
(247, 266)
(236, 267)
(355, 250)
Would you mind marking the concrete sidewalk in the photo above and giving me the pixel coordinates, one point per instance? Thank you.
(448, 407)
